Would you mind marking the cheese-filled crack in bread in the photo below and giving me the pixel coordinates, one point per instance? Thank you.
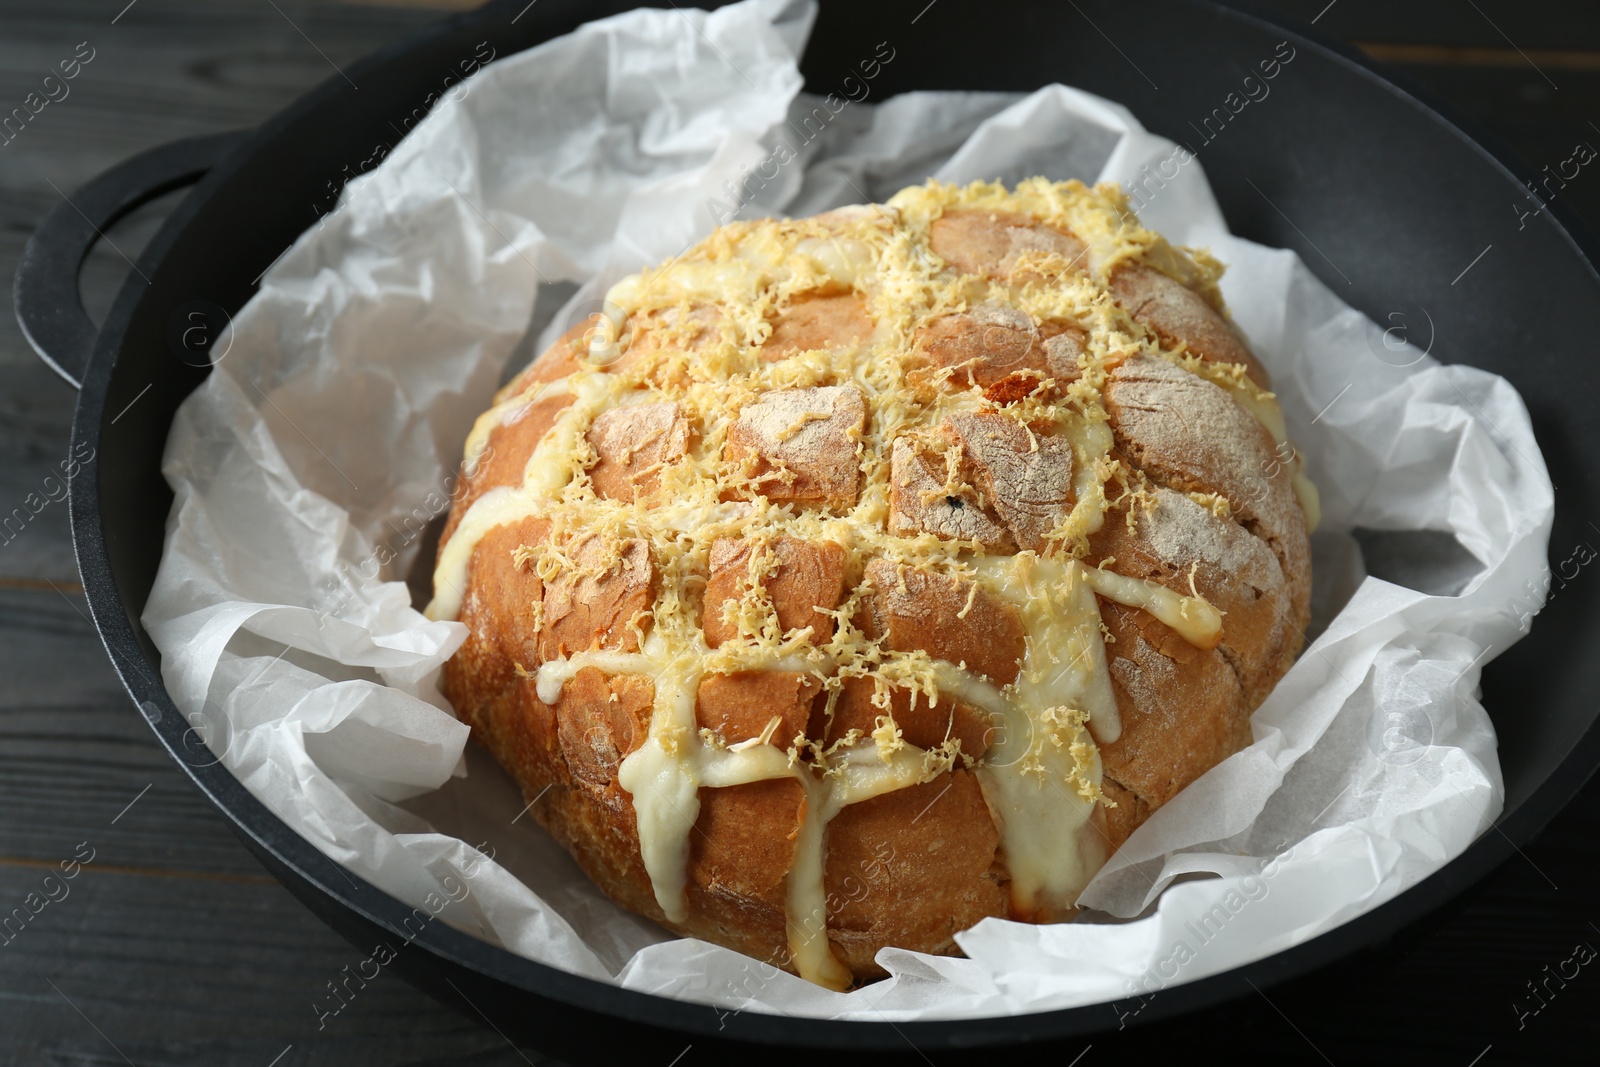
(855, 578)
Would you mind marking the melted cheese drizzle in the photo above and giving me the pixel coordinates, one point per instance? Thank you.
(1041, 774)
(1196, 621)
(505, 410)
(667, 772)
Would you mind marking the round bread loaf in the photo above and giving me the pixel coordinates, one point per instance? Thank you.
(851, 579)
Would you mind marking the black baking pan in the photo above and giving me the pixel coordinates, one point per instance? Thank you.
(1393, 205)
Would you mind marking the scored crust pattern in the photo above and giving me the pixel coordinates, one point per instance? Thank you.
(855, 578)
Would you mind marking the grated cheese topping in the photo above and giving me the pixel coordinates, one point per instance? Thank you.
(691, 332)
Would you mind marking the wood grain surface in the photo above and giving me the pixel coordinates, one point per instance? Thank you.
(172, 946)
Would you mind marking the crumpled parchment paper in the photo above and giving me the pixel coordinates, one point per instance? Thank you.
(307, 464)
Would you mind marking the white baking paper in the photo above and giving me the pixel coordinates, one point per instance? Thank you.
(307, 463)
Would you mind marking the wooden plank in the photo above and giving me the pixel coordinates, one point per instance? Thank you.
(1529, 61)
(173, 974)
(176, 945)
(75, 752)
(1526, 24)
(35, 414)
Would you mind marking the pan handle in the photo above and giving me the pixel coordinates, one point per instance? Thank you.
(49, 308)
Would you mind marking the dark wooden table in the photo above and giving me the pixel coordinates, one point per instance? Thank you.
(173, 946)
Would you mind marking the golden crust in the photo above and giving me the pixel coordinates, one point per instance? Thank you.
(993, 244)
(736, 707)
(949, 618)
(1182, 708)
(741, 850)
(1188, 434)
(819, 320)
(804, 576)
(505, 457)
(934, 844)
(1187, 548)
(602, 601)
(799, 446)
(632, 445)
(921, 723)
(861, 460)
(1181, 317)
